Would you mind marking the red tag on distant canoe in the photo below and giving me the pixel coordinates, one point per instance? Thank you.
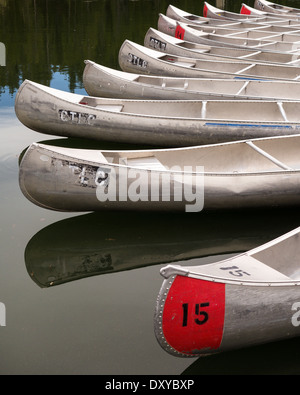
(205, 11)
(193, 315)
(179, 32)
(245, 11)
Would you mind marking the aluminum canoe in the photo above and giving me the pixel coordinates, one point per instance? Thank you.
(102, 81)
(268, 6)
(168, 43)
(161, 123)
(197, 34)
(265, 35)
(259, 173)
(136, 58)
(188, 18)
(248, 10)
(250, 299)
(247, 14)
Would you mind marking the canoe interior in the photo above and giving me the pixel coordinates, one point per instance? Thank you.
(218, 110)
(183, 16)
(263, 155)
(274, 262)
(236, 87)
(249, 14)
(276, 256)
(284, 16)
(269, 6)
(266, 34)
(242, 54)
(282, 42)
(284, 90)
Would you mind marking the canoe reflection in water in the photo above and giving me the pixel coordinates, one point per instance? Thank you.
(108, 242)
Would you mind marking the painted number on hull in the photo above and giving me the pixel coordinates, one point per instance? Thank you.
(137, 61)
(235, 271)
(193, 315)
(157, 44)
(203, 315)
(76, 117)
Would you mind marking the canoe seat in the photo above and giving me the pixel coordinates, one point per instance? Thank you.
(149, 163)
(110, 107)
(178, 61)
(185, 64)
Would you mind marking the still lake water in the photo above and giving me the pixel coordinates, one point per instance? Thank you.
(97, 316)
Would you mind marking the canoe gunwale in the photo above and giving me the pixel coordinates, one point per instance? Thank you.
(170, 271)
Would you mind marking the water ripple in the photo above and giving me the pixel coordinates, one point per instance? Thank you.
(8, 165)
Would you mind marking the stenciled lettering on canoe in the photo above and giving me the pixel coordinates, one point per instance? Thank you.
(137, 61)
(157, 44)
(260, 6)
(76, 117)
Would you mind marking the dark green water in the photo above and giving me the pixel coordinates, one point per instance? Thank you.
(80, 290)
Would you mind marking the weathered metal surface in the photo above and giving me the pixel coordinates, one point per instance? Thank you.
(250, 299)
(186, 17)
(247, 15)
(195, 33)
(270, 7)
(101, 81)
(170, 44)
(139, 59)
(155, 122)
(247, 10)
(255, 34)
(246, 174)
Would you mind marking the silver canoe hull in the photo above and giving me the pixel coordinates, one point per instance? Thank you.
(248, 34)
(246, 174)
(241, 40)
(247, 10)
(248, 14)
(250, 299)
(270, 7)
(139, 59)
(167, 43)
(186, 17)
(102, 81)
(170, 123)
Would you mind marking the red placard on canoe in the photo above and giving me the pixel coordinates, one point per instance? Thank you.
(179, 32)
(245, 11)
(193, 315)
